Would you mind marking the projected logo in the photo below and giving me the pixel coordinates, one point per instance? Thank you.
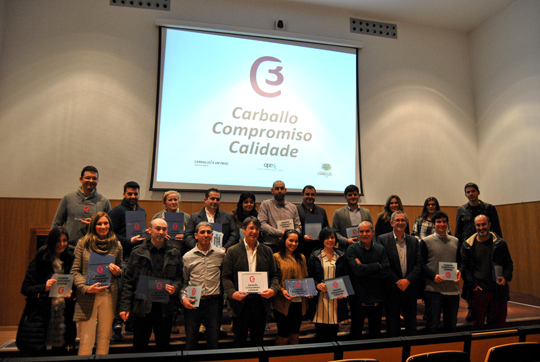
(326, 167)
(276, 72)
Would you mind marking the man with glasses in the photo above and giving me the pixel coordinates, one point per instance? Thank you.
(76, 208)
(404, 281)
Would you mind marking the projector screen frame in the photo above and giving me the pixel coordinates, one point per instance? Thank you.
(257, 33)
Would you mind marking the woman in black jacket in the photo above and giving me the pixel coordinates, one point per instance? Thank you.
(326, 263)
(47, 321)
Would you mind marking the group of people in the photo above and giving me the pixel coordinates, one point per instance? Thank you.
(389, 269)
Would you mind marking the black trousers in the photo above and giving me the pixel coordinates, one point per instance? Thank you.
(404, 303)
(143, 326)
(359, 313)
(252, 319)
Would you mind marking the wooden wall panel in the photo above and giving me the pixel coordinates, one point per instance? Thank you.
(18, 216)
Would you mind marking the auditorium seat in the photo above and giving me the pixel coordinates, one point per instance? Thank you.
(521, 352)
(443, 356)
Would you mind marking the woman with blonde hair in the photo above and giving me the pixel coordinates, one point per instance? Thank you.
(171, 199)
(96, 305)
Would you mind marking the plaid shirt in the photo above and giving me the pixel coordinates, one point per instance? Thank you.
(270, 212)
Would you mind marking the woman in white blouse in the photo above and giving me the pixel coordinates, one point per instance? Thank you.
(326, 263)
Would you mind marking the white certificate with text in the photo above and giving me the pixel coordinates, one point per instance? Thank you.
(252, 282)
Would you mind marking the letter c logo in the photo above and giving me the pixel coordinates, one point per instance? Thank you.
(335, 284)
(100, 269)
(252, 279)
(276, 72)
(159, 286)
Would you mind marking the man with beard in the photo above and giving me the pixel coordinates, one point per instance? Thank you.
(465, 226)
(277, 215)
(130, 202)
(76, 208)
(487, 267)
(118, 217)
(308, 207)
(212, 214)
(351, 215)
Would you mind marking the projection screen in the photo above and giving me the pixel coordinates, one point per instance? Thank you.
(237, 113)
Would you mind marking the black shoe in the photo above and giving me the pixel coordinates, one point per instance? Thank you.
(117, 332)
(469, 318)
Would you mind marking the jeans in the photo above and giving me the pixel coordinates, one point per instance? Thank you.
(437, 303)
(208, 312)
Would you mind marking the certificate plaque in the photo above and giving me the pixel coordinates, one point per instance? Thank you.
(62, 287)
(448, 271)
(217, 231)
(98, 269)
(285, 224)
(301, 287)
(152, 289)
(135, 224)
(175, 223)
(339, 287)
(497, 272)
(313, 225)
(157, 291)
(194, 292)
(352, 232)
(252, 283)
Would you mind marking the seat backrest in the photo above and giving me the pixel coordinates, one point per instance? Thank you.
(519, 352)
(443, 356)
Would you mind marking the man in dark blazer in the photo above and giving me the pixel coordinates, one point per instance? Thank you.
(343, 218)
(404, 280)
(308, 207)
(212, 214)
(249, 311)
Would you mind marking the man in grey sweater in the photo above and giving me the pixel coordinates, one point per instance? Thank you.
(440, 258)
(76, 208)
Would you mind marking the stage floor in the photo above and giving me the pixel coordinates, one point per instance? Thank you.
(523, 309)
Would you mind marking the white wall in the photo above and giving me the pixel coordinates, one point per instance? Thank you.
(506, 65)
(78, 86)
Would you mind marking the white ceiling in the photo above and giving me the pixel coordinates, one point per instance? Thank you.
(461, 15)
